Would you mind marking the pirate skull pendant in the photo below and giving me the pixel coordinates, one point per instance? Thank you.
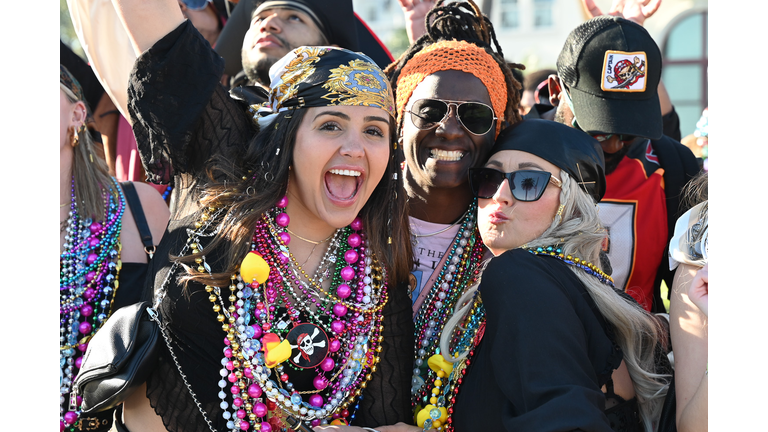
(310, 345)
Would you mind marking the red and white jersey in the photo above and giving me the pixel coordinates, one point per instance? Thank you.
(634, 211)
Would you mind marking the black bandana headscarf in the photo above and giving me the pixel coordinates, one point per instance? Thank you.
(326, 76)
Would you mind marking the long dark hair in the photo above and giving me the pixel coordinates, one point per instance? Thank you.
(247, 189)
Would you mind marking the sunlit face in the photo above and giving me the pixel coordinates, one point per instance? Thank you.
(341, 154)
(273, 34)
(506, 223)
(440, 157)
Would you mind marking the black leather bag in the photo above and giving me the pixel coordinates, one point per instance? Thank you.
(123, 352)
(119, 358)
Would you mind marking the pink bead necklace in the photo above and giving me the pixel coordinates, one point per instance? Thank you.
(292, 326)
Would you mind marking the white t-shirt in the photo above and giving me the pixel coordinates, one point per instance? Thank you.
(428, 250)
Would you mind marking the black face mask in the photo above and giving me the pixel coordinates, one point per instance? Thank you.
(612, 159)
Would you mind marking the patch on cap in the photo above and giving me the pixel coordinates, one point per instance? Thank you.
(624, 71)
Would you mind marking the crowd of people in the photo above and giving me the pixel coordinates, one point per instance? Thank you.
(345, 241)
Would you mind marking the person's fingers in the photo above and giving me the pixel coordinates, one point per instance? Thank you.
(650, 8)
(616, 6)
(592, 8)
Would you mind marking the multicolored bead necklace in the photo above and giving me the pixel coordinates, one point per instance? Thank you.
(459, 271)
(465, 338)
(556, 251)
(89, 267)
(276, 320)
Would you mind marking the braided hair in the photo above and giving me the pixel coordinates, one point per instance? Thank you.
(463, 21)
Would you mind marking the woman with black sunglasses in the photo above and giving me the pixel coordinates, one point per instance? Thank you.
(545, 342)
(454, 93)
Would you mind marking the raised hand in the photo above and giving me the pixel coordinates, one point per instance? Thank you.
(415, 11)
(633, 10)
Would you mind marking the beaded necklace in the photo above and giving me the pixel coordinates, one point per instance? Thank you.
(277, 321)
(466, 337)
(556, 251)
(459, 271)
(89, 267)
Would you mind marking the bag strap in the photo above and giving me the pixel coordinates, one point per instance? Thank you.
(129, 190)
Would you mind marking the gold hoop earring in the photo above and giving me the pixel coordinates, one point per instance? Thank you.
(75, 138)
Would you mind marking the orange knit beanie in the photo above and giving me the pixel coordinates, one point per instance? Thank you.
(453, 55)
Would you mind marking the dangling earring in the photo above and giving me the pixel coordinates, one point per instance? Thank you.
(75, 137)
(399, 142)
(76, 134)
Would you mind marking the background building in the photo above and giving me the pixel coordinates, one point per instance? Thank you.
(532, 32)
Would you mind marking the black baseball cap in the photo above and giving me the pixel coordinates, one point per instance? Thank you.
(569, 149)
(332, 17)
(611, 68)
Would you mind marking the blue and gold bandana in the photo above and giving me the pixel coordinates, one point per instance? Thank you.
(327, 76)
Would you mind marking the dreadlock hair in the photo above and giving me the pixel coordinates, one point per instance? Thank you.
(462, 21)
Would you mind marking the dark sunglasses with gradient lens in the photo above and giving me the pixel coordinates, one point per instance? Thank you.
(476, 117)
(526, 185)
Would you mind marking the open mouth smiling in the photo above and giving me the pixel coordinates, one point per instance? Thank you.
(343, 184)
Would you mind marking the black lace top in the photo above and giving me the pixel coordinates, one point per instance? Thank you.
(544, 357)
(181, 118)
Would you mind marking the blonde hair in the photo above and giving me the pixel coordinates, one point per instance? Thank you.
(579, 232)
(89, 170)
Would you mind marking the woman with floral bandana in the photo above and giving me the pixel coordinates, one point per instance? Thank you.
(280, 278)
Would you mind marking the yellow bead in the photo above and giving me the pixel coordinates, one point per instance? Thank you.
(201, 269)
(225, 327)
(435, 391)
(438, 382)
(212, 298)
(433, 400)
(216, 308)
(208, 288)
(199, 260)
(220, 318)
(436, 424)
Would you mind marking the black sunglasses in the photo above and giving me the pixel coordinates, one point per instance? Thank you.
(526, 185)
(476, 117)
